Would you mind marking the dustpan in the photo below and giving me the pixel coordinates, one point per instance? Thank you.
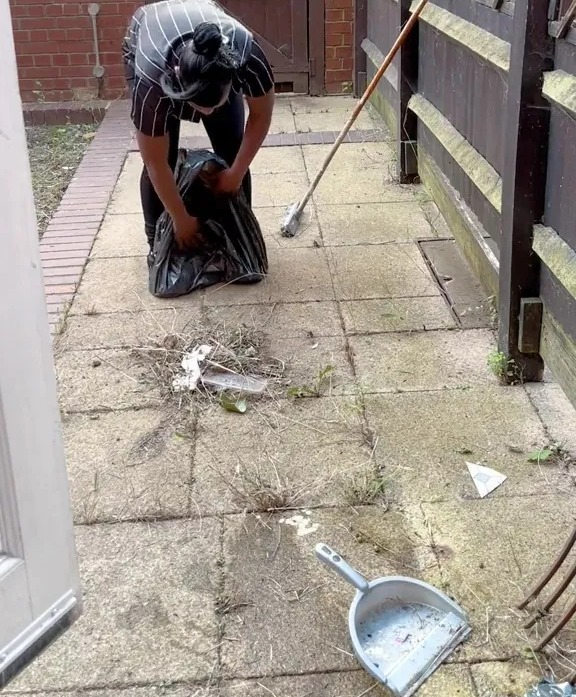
(401, 629)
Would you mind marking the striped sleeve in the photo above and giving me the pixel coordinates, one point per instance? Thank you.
(256, 76)
(151, 111)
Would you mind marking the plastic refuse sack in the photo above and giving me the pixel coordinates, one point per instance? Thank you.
(234, 249)
(545, 688)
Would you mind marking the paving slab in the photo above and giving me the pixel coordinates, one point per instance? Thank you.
(426, 439)
(432, 212)
(433, 360)
(467, 297)
(104, 379)
(373, 223)
(321, 105)
(331, 120)
(352, 158)
(279, 160)
(283, 320)
(126, 329)
(126, 195)
(374, 174)
(151, 690)
(149, 611)
(396, 315)
(188, 129)
(121, 285)
(306, 358)
(282, 122)
(556, 412)
(294, 618)
(492, 551)
(384, 271)
(278, 189)
(121, 236)
(137, 467)
(449, 681)
(271, 219)
(299, 275)
(311, 446)
(505, 679)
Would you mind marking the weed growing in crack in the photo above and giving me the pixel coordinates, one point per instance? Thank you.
(321, 385)
(505, 369)
(365, 487)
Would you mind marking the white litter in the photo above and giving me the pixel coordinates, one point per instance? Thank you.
(485, 479)
(191, 366)
(232, 381)
(302, 524)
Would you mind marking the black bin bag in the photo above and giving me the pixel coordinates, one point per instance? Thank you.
(233, 250)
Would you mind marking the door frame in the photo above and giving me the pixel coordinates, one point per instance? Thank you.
(307, 78)
(39, 580)
(317, 47)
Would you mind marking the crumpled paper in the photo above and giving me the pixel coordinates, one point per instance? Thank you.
(545, 688)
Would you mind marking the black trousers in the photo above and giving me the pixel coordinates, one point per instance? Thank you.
(225, 128)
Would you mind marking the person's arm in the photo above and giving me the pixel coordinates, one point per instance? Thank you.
(257, 127)
(154, 152)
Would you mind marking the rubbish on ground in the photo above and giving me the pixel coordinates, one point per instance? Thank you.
(485, 479)
(546, 688)
(237, 406)
(302, 524)
(191, 366)
(233, 249)
(234, 382)
(556, 594)
(401, 629)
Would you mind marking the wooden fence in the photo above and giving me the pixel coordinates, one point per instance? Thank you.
(482, 102)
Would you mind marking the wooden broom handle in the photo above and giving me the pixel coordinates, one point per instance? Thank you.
(362, 102)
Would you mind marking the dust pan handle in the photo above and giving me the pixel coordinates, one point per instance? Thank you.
(342, 568)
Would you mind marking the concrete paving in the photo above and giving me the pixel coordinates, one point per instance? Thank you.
(191, 589)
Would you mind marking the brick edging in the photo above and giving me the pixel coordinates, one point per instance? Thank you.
(67, 242)
(64, 113)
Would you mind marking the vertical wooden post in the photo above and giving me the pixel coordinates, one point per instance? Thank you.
(524, 179)
(360, 33)
(316, 47)
(406, 120)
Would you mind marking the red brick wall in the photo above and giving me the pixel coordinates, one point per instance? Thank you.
(339, 45)
(55, 48)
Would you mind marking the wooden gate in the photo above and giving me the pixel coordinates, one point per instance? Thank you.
(281, 28)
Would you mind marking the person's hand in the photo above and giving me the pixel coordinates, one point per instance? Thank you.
(187, 232)
(227, 181)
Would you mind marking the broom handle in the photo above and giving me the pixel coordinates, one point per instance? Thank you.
(362, 103)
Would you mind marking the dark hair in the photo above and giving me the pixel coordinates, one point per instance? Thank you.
(206, 68)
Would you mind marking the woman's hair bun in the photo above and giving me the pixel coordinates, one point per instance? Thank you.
(207, 39)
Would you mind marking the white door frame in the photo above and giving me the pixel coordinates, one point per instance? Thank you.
(39, 582)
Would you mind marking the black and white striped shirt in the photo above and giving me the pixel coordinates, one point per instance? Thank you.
(148, 50)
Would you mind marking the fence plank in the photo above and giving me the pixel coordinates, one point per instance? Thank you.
(524, 175)
(360, 34)
(407, 123)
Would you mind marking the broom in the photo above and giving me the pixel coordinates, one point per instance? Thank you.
(294, 213)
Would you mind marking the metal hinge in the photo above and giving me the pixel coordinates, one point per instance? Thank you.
(312, 67)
